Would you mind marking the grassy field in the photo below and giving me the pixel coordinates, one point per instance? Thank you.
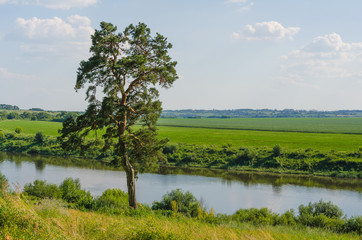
(192, 134)
(315, 125)
(31, 127)
(49, 219)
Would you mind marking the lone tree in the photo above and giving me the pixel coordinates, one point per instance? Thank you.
(126, 67)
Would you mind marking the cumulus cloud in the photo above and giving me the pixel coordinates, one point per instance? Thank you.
(54, 4)
(76, 27)
(325, 58)
(242, 5)
(54, 36)
(266, 31)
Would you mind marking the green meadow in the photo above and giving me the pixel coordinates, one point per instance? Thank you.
(314, 125)
(221, 132)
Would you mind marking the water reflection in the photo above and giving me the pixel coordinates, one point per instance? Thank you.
(252, 178)
(225, 191)
(40, 165)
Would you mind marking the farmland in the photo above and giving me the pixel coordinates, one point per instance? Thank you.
(288, 133)
(308, 125)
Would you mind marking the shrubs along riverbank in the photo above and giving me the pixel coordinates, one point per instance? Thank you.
(48, 211)
(276, 159)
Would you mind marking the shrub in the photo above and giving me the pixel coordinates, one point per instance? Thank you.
(18, 130)
(2, 135)
(327, 208)
(42, 189)
(256, 216)
(277, 150)
(9, 135)
(170, 148)
(354, 224)
(287, 218)
(72, 193)
(39, 138)
(112, 201)
(186, 203)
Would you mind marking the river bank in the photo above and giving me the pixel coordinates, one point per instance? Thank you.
(275, 160)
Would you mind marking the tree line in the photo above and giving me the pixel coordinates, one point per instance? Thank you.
(42, 115)
(258, 113)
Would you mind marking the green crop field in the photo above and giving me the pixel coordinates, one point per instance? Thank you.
(31, 127)
(317, 125)
(219, 136)
(290, 140)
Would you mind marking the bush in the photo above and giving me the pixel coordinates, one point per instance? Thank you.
(287, 218)
(2, 135)
(326, 208)
(9, 135)
(39, 137)
(170, 149)
(354, 224)
(112, 201)
(72, 193)
(277, 150)
(256, 216)
(42, 189)
(186, 203)
(18, 130)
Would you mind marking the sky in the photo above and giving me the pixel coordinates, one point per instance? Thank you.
(231, 54)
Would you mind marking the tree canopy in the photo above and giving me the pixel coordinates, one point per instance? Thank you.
(126, 67)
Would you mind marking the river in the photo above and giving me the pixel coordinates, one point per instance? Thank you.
(224, 191)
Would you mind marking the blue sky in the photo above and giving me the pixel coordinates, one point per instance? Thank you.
(231, 53)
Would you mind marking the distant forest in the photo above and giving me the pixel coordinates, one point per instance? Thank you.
(60, 116)
(8, 107)
(261, 113)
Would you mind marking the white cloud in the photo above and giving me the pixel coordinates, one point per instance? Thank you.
(6, 75)
(326, 59)
(54, 4)
(55, 36)
(76, 27)
(266, 31)
(242, 5)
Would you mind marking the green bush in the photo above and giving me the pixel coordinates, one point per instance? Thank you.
(39, 138)
(9, 135)
(277, 150)
(170, 148)
(186, 203)
(326, 208)
(2, 135)
(42, 189)
(256, 216)
(72, 193)
(354, 224)
(287, 218)
(112, 201)
(18, 130)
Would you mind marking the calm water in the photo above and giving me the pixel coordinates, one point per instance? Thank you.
(224, 191)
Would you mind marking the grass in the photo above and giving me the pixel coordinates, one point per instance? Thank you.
(289, 140)
(50, 219)
(31, 127)
(314, 125)
(219, 136)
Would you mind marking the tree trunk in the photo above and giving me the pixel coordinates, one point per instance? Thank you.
(130, 174)
(131, 187)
